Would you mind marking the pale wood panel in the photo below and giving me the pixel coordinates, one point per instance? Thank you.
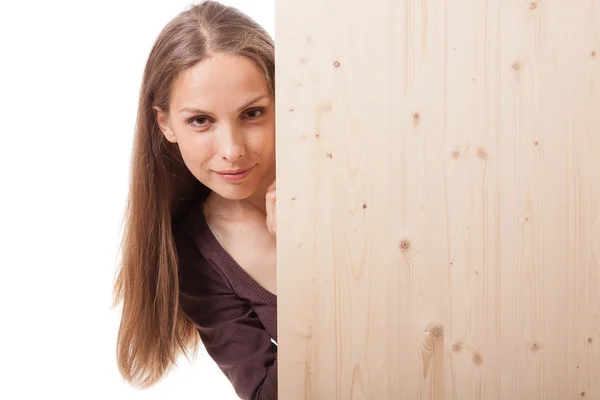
(438, 199)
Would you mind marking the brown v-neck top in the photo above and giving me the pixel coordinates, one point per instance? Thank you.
(235, 316)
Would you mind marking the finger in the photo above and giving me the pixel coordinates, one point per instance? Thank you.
(271, 210)
(271, 197)
(271, 222)
(274, 224)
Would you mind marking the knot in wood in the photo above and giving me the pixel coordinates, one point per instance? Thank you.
(535, 346)
(436, 332)
(405, 245)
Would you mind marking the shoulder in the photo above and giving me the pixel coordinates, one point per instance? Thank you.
(190, 236)
(197, 265)
(191, 226)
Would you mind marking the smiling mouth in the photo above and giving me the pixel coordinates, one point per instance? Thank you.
(234, 176)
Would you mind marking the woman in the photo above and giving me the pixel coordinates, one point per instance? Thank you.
(199, 246)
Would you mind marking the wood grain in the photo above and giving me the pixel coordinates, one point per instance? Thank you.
(438, 168)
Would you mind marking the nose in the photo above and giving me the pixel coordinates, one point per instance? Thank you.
(231, 146)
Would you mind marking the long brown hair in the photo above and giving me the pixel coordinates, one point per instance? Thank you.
(153, 331)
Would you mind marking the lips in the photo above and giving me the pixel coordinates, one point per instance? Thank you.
(234, 175)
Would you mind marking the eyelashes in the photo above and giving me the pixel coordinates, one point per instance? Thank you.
(195, 119)
(256, 109)
(201, 121)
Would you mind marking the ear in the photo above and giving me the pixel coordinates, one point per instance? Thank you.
(162, 119)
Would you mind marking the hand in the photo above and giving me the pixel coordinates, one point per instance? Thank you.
(270, 202)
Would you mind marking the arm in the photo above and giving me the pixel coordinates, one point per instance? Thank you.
(230, 330)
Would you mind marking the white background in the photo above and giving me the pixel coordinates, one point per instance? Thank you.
(70, 73)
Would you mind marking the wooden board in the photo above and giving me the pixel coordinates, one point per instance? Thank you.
(438, 199)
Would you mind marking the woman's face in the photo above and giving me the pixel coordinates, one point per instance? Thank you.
(222, 117)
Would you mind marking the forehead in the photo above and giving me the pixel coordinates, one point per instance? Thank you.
(217, 80)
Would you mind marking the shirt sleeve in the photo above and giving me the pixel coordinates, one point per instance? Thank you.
(231, 332)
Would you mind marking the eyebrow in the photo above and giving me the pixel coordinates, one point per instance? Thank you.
(198, 111)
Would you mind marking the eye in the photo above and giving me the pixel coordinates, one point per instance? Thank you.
(252, 113)
(198, 121)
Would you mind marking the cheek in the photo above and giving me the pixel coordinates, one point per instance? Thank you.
(195, 154)
(262, 141)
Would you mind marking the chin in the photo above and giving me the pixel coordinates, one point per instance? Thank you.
(234, 192)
